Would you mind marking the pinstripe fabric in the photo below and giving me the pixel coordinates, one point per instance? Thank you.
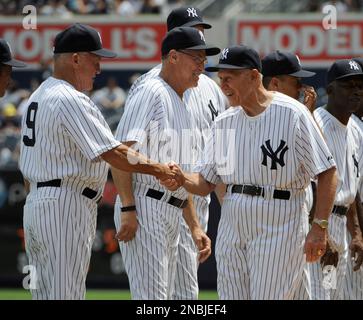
(150, 258)
(344, 142)
(59, 231)
(149, 114)
(259, 249)
(353, 280)
(59, 223)
(204, 103)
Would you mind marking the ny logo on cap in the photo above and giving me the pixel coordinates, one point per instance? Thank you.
(298, 59)
(99, 35)
(192, 12)
(224, 54)
(201, 35)
(353, 65)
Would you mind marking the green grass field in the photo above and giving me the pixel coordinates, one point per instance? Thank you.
(92, 294)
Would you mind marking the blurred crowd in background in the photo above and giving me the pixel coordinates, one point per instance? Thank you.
(111, 98)
(129, 8)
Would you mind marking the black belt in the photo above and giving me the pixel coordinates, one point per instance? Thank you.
(155, 194)
(87, 192)
(259, 191)
(340, 210)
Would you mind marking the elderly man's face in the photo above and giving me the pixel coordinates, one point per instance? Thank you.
(191, 65)
(234, 83)
(88, 68)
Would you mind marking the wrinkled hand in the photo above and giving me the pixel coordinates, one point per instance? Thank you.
(330, 258)
(203, 244)
(165, 172)
(129, 226)
(176, 182)
(315, 243)
(356, 252)
(310, 97)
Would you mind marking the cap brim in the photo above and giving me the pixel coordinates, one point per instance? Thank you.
(224, 66)
(14, 63)
(209, 50)
(196, 23)
(349, 75)
(302, 74)
(105, 53)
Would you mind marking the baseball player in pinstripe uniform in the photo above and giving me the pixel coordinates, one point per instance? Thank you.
(353, 281)
(345, 82)
(205, 101)
(64, 140)
(154, 111)
(282, 72)
(6, 65)
(260, 241)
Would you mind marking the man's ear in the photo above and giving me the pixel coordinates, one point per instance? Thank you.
(274, 83)
(329, 89)
(173, 57)
(75, 59)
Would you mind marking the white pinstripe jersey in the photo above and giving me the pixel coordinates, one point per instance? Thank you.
(206, 101)
(157, 119)
(345, 143)
(281, 147)
(358, 123)
(64, 134)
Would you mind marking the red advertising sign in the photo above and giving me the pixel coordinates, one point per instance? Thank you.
(314, 45)
(137, 44)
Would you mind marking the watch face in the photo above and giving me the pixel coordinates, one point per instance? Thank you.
(324, 224)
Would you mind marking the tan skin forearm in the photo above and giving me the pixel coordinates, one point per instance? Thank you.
(190, 214)
(359, 212)
(352, 220)
(123, 184)
(126, 159)
(220, 191)
(196, 184)
(325, 194)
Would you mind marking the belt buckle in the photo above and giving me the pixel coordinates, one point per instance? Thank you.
(251, 190)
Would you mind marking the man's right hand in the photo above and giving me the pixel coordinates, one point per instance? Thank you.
(177, 181)
(129, 226)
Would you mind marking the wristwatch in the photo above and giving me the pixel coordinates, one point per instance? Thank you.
(321, 223)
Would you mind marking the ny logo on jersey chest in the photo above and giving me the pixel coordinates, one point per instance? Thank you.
(356, 165)
(277, 156)
(213, 110)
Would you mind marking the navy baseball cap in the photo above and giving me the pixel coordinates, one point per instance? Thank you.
(6, 56)
(359, 60)
(187, 38)
(279, 63)
(81, 38)
(344, 68)
(186, 17)
(237, 57)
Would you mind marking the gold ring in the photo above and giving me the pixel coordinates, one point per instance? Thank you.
(320, 252)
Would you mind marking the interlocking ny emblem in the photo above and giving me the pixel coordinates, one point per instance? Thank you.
(213, 110)
(201, 36)
(275, 158)
(192, 12)
(224, 54)
(353, 65)
(356, 168)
